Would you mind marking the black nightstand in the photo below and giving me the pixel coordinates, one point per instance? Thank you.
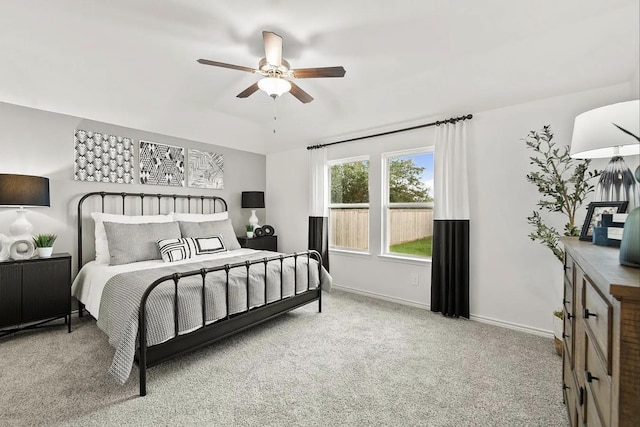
(35, 290)
(267, 243)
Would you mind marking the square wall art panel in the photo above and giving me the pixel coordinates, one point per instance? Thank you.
(206, 170)
(103, 158)
(161, 164)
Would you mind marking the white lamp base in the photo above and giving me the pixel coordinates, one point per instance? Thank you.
(21, 226)
(253, 219)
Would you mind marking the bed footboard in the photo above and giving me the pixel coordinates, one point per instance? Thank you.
(231, 323)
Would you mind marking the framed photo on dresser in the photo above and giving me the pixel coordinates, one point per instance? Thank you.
(594, 214)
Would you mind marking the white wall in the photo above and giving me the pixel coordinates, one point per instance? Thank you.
(35, 142)
(286, 198)
(635, 84)
(514, 281)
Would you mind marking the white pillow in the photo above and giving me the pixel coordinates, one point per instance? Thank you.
(189, 217)
(102, 245)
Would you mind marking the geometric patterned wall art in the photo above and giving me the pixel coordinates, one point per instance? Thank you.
(206, 170)
(103, 158)
(161, 164)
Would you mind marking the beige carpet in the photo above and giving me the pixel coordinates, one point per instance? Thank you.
(362, 362)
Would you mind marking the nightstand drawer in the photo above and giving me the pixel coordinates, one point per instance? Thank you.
(264, 243)
(46, 288)
(34, 291)
(10, 294)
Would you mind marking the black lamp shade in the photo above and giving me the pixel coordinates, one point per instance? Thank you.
(253, 199)
(23, 190)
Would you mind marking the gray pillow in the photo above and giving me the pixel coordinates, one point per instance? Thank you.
(137, 242)
(211, 228)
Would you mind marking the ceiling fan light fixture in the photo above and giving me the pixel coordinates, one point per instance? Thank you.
(274, 86)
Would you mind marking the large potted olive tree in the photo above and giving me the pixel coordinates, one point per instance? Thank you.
(563, 184)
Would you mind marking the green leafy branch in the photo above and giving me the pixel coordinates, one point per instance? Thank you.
(563, 184)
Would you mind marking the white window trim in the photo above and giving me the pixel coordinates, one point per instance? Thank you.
(339, 249)
(385, 206)
(347, 160)
(405, 259)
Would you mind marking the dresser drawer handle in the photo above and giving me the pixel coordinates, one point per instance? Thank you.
(590, 377)
(587, 314)
(581, 396)
(570, 316)
(565, 335)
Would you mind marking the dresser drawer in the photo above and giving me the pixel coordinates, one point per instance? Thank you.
(597, 314)
(598, 383)
(592, 417)
(570, 390)
(567, 336)
(568, 267)
(568, 300)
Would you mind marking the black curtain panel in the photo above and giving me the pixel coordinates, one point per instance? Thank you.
(450, 267)
(319, 237)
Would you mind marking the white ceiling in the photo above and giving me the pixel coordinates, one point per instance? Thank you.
(133, 62)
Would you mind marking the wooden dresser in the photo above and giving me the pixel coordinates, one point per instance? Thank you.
(601, 358)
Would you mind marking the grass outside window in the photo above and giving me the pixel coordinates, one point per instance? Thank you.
(420, 247)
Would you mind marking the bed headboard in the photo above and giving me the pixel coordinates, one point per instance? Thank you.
(141, 204)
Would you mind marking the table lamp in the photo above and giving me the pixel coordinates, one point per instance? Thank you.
(614, 130)
(253, 200)
(23, 190)
(609, 132)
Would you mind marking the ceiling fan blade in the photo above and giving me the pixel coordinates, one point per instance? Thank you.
(248, 91)
(310, 73)
(224, 65)
(302, 96)
(272, 48)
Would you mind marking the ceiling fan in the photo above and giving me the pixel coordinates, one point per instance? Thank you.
(277, 72)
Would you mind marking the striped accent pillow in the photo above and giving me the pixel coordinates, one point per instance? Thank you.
(176, 249)
(187, 247)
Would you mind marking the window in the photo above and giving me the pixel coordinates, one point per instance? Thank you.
(408, 203)
(349, 204)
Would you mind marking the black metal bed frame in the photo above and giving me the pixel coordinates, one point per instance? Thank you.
(149, 356)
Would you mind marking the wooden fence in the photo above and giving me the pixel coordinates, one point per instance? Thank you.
(350, 227)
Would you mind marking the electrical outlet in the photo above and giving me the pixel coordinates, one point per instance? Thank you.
(414, 280)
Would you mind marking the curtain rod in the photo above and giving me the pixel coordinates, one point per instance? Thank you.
(436, 123)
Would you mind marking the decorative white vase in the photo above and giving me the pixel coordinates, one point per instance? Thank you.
(21, 248)
(45, 252)
(558, 327)
(249, 234)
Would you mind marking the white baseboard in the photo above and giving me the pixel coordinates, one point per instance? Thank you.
(474, 317)
(381, 296)
(511, 325)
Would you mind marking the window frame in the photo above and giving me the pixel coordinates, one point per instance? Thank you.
(385, 232)
(330, 205)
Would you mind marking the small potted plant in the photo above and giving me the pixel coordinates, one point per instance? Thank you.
(558, 326)
(44, 244)
(250, 231)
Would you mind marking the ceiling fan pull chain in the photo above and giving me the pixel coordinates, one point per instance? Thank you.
(274, 114)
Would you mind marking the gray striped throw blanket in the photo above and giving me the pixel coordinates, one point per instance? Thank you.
(121, 296)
